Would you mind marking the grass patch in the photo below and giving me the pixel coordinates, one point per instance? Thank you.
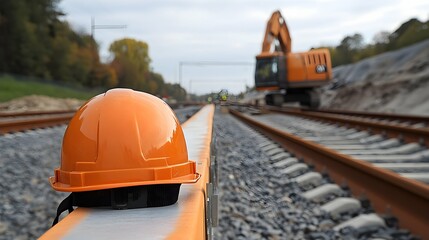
(11, 88)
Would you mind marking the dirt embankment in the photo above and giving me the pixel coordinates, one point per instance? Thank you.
(396, 81)
(40, 103)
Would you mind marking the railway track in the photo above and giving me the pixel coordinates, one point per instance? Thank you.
(32, 113)
(22, 121)
(16, 122)
(391, 172)
(406, 128)
(407, 119)
(326, 147)
(415, 121)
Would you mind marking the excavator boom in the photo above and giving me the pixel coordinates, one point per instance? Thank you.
(277, 29)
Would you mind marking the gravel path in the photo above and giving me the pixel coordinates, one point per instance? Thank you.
(27, 160)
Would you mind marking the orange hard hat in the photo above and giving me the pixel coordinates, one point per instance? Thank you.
(123, 138)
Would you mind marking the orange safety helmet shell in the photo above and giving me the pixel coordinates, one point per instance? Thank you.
(123, 138)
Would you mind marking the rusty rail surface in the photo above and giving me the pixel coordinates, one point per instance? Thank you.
(377, 115)
(384, 116)
(408, 134)
(389, 193)
(38, 121)
(32, 113)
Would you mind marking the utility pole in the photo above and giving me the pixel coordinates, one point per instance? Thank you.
(93, 27)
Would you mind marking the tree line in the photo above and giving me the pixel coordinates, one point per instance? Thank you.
(34, 41)
(352, 48)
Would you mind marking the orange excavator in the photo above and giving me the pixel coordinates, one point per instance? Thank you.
(287, 76)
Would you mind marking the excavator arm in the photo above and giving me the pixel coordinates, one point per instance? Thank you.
(277, 29)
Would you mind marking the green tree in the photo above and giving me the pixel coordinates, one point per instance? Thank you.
(416, 31)
(136, 52)
(127, 74)
(35, 42)
(352, 48)
(346, 51)
(131, 63)
(25, 32)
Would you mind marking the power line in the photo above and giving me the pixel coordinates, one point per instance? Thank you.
(93, 27)
(218, 63)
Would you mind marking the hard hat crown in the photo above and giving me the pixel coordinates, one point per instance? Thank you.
(123, 138)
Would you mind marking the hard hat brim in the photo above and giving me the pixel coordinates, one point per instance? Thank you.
(58, 186)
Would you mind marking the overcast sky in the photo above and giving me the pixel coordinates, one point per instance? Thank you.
(231, 30)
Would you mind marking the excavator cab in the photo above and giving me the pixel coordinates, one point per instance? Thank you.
(270, 72)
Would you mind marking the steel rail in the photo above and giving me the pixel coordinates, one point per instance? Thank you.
(32, 113)
(389, 193)
(41, 119)
(408, 134)
(16, 125)
(380, 116)
(385, 116)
